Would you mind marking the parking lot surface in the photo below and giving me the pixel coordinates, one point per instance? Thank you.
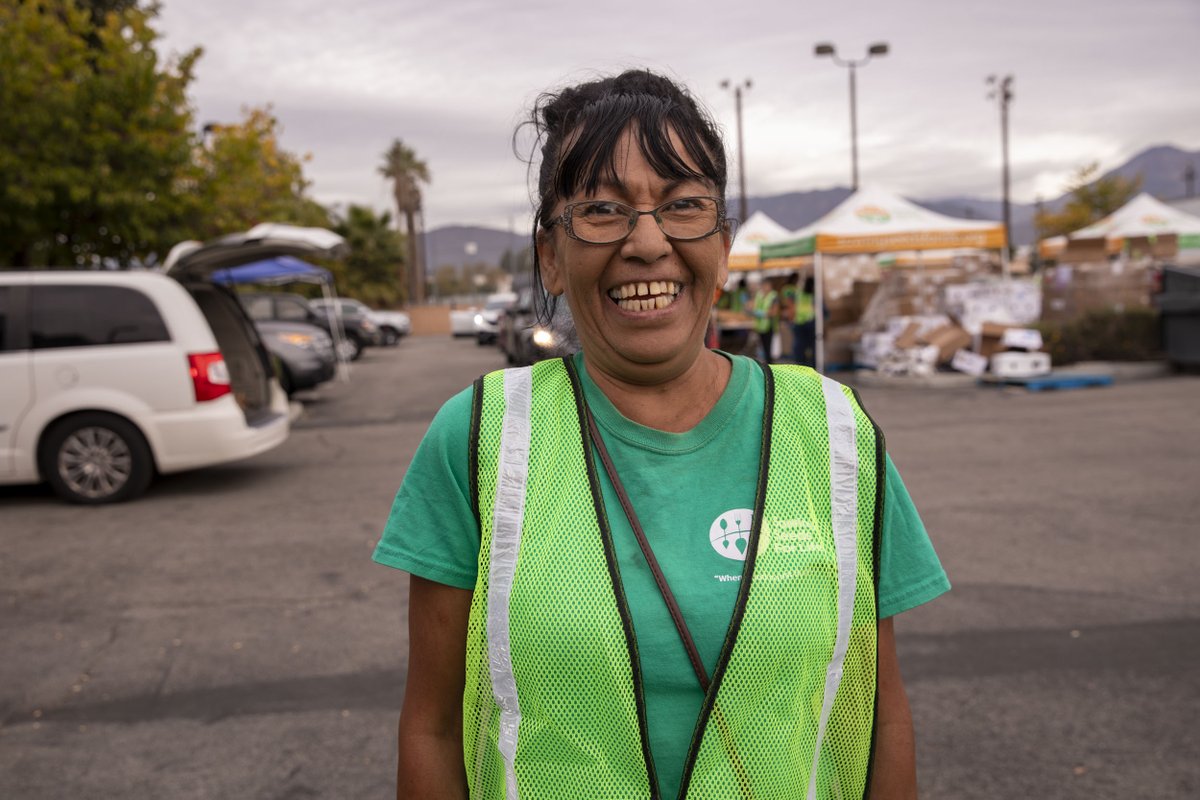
(227, 635)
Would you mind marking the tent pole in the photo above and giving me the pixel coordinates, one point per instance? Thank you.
(819, 308)
(339, 333)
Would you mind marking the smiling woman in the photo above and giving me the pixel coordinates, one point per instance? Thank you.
(656, 575)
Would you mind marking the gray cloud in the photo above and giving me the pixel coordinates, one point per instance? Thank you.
(1095, 80)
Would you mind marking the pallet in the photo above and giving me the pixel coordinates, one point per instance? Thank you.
(1041, 383)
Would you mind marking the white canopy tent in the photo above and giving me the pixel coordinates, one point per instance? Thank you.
(874, 220)
(1143, 216)
(751, 235)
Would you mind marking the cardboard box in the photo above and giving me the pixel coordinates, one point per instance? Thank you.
(839, 342)
(1029, 339)
(1020, 365)
(947, 339)
(908, 337)
(996, 337)
(970, 363)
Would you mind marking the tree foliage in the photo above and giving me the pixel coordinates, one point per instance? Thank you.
(407, 172)
(101, 161)
(376, 255)
(1092, 199)
(97, 135)
(243, 177)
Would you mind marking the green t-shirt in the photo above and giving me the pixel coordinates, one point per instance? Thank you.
(682, 485)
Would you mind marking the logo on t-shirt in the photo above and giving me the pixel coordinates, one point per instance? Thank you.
(730, 533)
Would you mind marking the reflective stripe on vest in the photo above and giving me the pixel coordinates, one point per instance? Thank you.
(554, 696)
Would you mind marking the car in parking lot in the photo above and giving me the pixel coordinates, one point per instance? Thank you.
(112, 377)
(525, 339)
(353, 335)
(392, 325)
(304, 353)
(487, 319)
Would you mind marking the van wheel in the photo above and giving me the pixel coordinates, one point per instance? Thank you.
(95, 458)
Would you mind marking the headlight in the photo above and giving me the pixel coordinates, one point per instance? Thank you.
(543, 337)
(296, 339)
(479, 319)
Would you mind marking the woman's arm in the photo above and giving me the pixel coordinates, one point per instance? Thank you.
(431, 740)
(894, 773)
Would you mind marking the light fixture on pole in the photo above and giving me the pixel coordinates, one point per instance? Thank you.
(827, 49)
(1002, 93)
(737, 99)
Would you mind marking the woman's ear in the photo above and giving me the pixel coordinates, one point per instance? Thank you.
(552, 278)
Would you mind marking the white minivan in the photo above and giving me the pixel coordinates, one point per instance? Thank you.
(107, 378)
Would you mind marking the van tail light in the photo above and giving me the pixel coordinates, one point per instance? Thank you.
(210, 375)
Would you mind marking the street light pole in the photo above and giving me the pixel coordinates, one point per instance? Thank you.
(737, 99)
(1002, 93)
(877, 49)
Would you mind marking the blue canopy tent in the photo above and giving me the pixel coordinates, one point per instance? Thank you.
(274, 271)
(289, 269)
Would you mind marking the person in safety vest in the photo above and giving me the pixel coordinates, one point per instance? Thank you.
(651, 569)
(797, 307)
(764, 307)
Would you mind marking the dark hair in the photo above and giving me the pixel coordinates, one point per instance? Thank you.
(579, 127)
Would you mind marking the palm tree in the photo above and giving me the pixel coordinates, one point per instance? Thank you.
(407, 172)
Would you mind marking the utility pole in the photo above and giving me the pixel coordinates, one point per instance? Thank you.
(827, 49)
(1189, 180)
(737, 99)
(1002, 93)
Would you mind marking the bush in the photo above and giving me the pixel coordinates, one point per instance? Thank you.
(1105, 335)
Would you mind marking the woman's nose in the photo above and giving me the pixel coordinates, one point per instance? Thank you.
(646, 242)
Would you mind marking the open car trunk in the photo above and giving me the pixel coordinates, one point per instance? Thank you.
(249, 364)
(194, 265)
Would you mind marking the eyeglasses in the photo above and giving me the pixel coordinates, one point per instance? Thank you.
(607, 221)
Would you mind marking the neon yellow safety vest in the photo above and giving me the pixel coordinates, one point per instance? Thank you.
(763, 321)
(802, 303)
(553, 705)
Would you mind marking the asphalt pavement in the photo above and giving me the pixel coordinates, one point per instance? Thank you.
(227, 636)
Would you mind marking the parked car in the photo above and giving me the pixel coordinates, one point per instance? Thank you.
(462, 321)
(487, 319)
(112, 377)
(357, 332)
(304, 353)
(527, 340)
(392, 325)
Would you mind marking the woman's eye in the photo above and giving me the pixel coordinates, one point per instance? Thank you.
(598, 210)
(684, 204)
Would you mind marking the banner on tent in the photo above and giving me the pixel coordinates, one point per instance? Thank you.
(916, 240)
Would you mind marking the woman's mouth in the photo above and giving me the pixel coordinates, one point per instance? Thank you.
(644, 295)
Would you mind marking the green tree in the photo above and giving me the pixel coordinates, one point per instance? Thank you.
(376, 249)
(243, 177)
(97, 135)
(1092, 199)
(407, 172)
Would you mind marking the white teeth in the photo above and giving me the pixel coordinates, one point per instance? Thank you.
(643, 289)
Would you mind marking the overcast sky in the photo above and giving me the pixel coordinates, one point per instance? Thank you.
(1095, 80)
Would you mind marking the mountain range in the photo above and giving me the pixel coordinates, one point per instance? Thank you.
(1161, 169)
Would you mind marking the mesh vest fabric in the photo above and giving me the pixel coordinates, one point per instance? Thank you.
(571, 645)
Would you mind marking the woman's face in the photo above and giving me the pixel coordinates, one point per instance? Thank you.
(601, 281)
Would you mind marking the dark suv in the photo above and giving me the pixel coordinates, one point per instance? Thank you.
(360, 332)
